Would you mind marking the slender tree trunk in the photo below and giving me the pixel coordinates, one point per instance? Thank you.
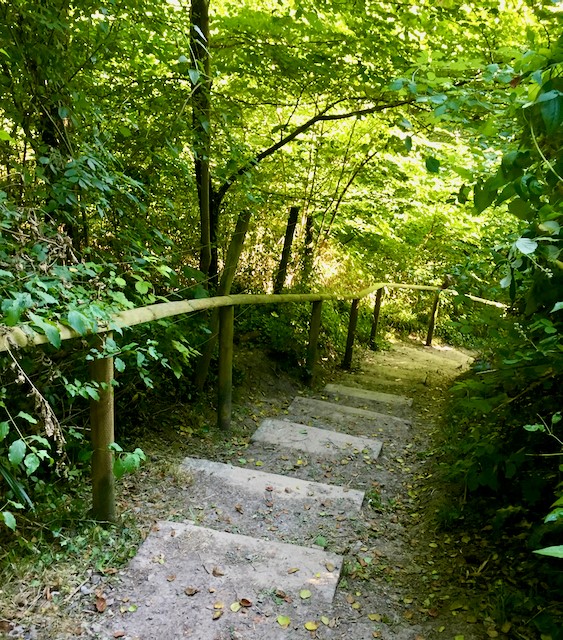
(227, 277)
(307, 269)
(281, 274)
(201, 115)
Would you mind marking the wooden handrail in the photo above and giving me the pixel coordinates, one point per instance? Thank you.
(102, 415)
(18, 337)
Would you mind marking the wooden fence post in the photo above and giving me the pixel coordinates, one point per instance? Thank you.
(433, 316)
(375, 321)
(347, 361)
(102, 434)
(314, 330)
(225, 383)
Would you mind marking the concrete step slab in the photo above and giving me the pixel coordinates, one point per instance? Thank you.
(387, 403)
(341, 417)
(368, 395)
(272, 485)
(184, 579)
(312, 440)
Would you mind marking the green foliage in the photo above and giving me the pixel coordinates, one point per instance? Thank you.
(126, 462)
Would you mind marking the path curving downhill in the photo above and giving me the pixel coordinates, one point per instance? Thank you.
(319, 531)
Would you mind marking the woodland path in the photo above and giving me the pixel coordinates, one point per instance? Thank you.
(319, 528)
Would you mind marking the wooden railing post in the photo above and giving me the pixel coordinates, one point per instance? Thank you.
(225, 382)
(347, 361)
(375, 321)
(314, 331)
(102, 434)
(433, 316)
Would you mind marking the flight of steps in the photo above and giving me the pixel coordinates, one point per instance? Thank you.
(268, 534)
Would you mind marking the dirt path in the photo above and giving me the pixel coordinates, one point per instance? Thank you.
(400, 578)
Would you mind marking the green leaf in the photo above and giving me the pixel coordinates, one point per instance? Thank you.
(119, 365)
(49, 328)
(142, 286)
(551, 109)
(526, 245)
(9, 520)
(483, 197)
(554, 552)
(26, 416)
(521, 209)
(554, 516)
(31, 463)
(557, 307)
(195, 75)
(534, 427)
(79, 322)
(16, 452)
(4, 135)
(4, 430)
(432, 164)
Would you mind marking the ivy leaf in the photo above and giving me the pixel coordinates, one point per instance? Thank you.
(142, 286)
(31, 463)
(49, 328)
(79, 322)
(16, 452)
(9, 520)
(432, 164)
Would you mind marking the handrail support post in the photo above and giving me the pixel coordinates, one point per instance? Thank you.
(375, 320)
(225, 382)
(314, 331)
(352, 323)
(102, 435)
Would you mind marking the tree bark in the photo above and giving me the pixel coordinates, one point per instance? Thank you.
(281, 274)
(201, 117)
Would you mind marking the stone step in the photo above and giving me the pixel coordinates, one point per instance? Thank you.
(367, 394)
(273, 486)
(312, 440)
(184, 579)
(328, 415)
(388, 403)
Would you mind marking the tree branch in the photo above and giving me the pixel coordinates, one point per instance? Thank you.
(320, 117)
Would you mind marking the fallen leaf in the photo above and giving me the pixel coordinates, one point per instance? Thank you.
(217, 572)
(101, 604)
(492, 633)
(506, 627)
(218, 605)
(132, 608)
(259, 463)
(217, 614)
(350, 599)
(239, 508)
(304, 594)
(311, 626)
(325, 620)
(433, 613)
(236, 606)
(191, 591)
(293, 570)
(374, 617)
(245, 602)
(171, 578)
(356, 605)
(118, 634)
(283, 621)
(329, 566)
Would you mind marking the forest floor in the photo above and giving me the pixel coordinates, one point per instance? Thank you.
(408, 574)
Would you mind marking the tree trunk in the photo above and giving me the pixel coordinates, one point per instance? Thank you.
(201, 116)
(227, 277)
(281, 274)
(307, 269)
